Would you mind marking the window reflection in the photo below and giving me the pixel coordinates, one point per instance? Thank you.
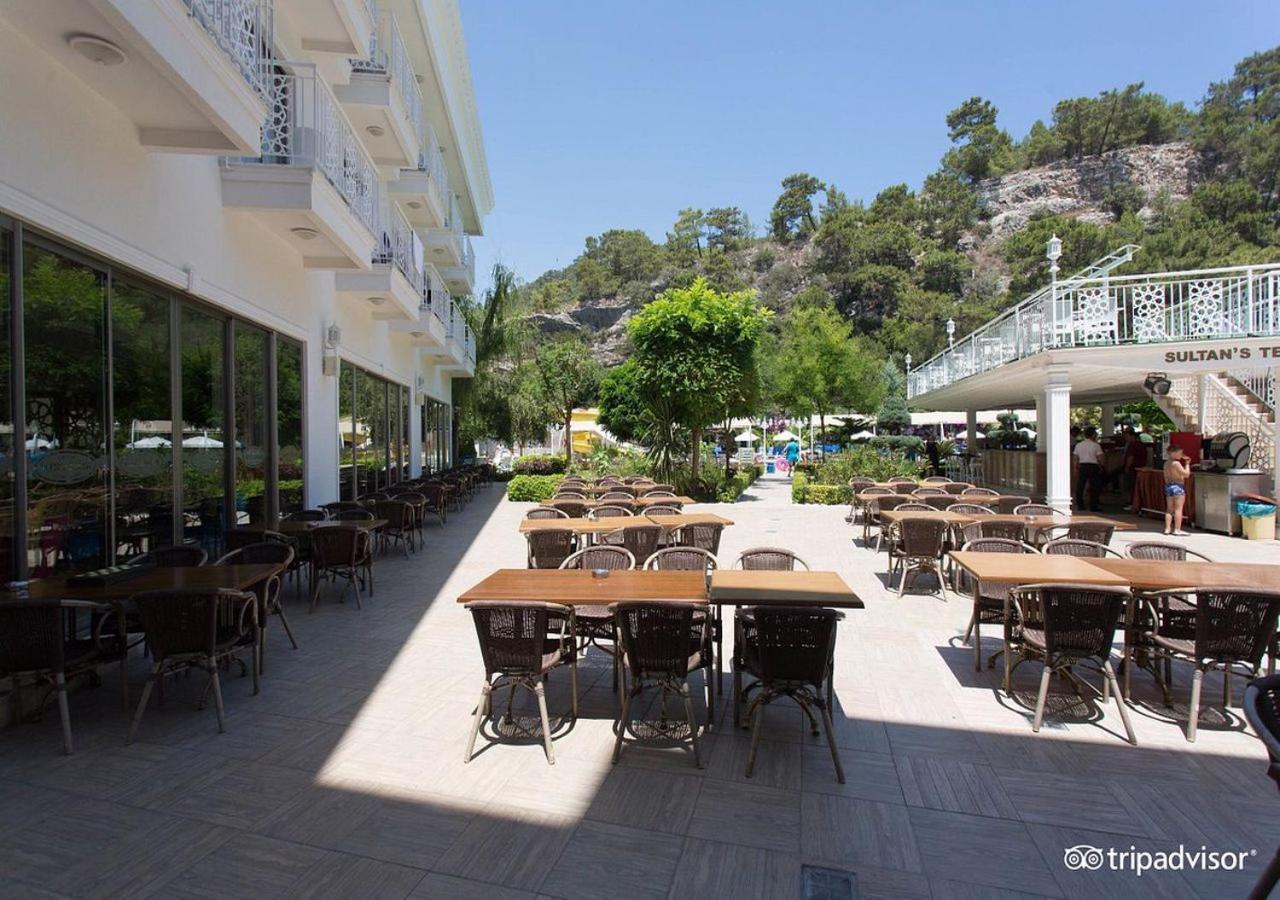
(203, 447)
(289, 424)
(251, 424)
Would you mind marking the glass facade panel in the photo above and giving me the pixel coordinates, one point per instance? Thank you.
(203, 441)
(348, 440)
(435, 436)
(368, 415)
(289, 424)
(143, 433)
(251, 424)
(64, 320)
(7, 441)
(405, 422)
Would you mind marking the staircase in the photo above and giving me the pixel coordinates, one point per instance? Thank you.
(1232, 401)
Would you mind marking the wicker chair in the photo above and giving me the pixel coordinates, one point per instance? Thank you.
(979, 492)
(662, 509)
(988, 596)
(437, 501)
(595, 623)
(1034, 509)
(929, 492)
(856, 487)
(518, 652)
(656, 488)
(682, 559)
(338, 506)
(1012, 531)
(609, 511)
(641, 541)
(1077, 547)
(342, 551)
(1096, 532)
(902, 480)
(568, 495)
(970, 509)
(197, 627)
(418, 503)
(307, 515)
(354, 515)
(268, 593)
(659, 647)
(1160, 550)
(179, 556)
(626, 496)
(790, 653)
(546, 512)
(1234, 627)
(660, 495)
(400, 526)
(574, 509)
(936, 479)
(1177, 613)
(703, 535)
(872, 507)
(549, 547)
(769, 559)
(916, 547)
(957, 487)
(1066, 626)
(1262, 709)
(1007, 504)
(35, 647)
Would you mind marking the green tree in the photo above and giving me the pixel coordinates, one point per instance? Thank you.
(820, 367)
(981, 147)
(728, 228)
(623, 408)
(695, 352)
(792, 214)
(948, 208)
(684, 240)
(1238, 129)
(892, 415)
(570, 376)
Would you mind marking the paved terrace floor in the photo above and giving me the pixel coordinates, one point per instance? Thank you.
(345, 778)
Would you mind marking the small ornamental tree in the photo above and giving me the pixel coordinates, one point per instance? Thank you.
(695, 357)
(570, 376)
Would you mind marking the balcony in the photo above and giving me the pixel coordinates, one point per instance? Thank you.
(462, 279)
(187, 73)
(331, 26)
(422, 191)
(383, 99)
(1119, 314)
(446, 244)
(396, 285)
(314, 184)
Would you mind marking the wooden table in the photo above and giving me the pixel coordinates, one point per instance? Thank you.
(577, 587)
(1164, 575)
(156, 578)
(1034, 568)
(297, 529)
(1031, 523)
(734, 587)
(613, 523)
(639, 501)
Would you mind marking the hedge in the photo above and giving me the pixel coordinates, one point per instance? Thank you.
(805, 491)
(741, 480)
(532, 488)
(539, 465)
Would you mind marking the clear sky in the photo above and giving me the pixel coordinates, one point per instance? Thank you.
(601, 114)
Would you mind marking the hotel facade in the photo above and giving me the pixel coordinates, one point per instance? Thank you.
(233, 235)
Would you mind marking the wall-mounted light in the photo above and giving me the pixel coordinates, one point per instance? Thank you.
(97, 50)
(303, 233)
(1157, 383)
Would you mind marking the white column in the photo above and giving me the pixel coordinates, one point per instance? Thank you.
(321, 459)
(415, 432)
(970, 425)
(1039, 421)
(1275, 433)
(1202, 408)
(1108, 419)
(1055, 432)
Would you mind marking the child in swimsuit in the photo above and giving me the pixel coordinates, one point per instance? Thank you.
(1176, 472)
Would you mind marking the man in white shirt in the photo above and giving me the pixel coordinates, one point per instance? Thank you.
(1089, 456)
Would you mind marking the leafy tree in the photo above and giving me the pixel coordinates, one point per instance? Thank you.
(1084, 126)
(948, 208)
(792, 214)
(981, 147)
(684, 240)
(1238, 130)
(720, 272)
(623, 409)
(695, 356)
(570, 376)
(896, 203)
(728, 228)
(892, 415)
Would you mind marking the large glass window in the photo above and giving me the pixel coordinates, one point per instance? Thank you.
(404, 433)
(435, 436)
(64, 319)
(143, 433)
(7, 437)
(203, 442)
(251, 424)
(368, 410)
(289, 424)
(348, 440)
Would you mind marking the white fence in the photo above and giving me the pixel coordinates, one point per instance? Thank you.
(244, 31)
(389, 56)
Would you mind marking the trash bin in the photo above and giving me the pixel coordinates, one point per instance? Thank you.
(1258, 520)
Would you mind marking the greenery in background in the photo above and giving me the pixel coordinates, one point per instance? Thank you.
(539, 465)
(532, 488)
(893, 415)
(570, 378)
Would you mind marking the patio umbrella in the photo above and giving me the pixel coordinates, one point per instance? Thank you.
(783, 437)
(746, 437)
(38, 443)
(154, 442)
(862, 436)
(202, 442)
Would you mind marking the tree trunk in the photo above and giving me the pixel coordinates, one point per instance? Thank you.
(822, 431)
(568, 439)
(697, 452)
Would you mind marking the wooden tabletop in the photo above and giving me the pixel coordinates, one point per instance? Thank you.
(579, 587)
(613, 523)
(156, 578)
(937, 515)
(641, 501)
(297, 528)
(1032, 523)
(1032, 568)
(732, 587)
(1163, 575)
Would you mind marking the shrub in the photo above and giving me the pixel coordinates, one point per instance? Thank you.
(733, 487)
(805, 491)
(867, 462)
(532, 488)
(538, 465)
(900, 443)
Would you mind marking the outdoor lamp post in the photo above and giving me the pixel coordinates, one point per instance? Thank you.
(951, 332)
(1053, 252)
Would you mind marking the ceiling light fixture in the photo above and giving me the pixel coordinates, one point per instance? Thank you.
(375, 130)
(414, 204)
(99, 51)
(377, 301)
(304, 234)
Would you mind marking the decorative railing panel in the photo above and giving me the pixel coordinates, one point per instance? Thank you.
(402, 247)
(431, 161)
(244, 31)
(389, 56)
(1111, 311)
(1224, 411)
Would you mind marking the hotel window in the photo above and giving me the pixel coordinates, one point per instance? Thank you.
(291, 472)
(367, 412)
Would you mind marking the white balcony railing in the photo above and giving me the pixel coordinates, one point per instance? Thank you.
(431, 161)
(244, 29)
(1109, 311)
(469, 344)
(469, 260)
(389, 56)
(306, 127)
(400, 246)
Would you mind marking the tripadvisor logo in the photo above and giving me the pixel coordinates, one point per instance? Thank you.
(1085, 857)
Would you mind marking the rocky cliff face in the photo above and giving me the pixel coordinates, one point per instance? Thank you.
(1080, 188)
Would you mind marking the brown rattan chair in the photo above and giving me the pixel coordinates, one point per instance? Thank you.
(354, 515)
(856, 486)
(662, 509)
(864, 503)
(609, 511)
(626, 496)
(338, 506)
(518, 651)
(1163, 551)
(915, 547)
(595, 623)
(641, 541)
(871, 517)
(659, 648)
(683, 559)
(1076, 547)
(929, 492)
(342, 551)
(973, 531)
(790, 652)
(656, 488)
(703, 535)
(1234, 627)
(437, 501)
(1262, 709)
(988, 596)
(268, 593)
(661, 495)
(195, 628)
(546, 512)
(36, 647)
(979, 492)
(1177, 613)
(1034, 509)
(549, 547)
(1097, 532)
(1007, 504)
(307, 515)
(769, 559)
(970, 509)
(179, 556)
(936, 479)
(568, 495)
(957, 487)
(902, 480)
(400, 526)
(574, 509)
(1066, 626)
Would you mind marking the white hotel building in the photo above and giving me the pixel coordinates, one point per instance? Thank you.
(232, 233)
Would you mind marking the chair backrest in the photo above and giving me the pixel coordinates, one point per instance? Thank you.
(970, 509)
(1080, 620)
(979, 492)
(641, 540)
(888, 501)
(912, 506)
(664, 494)
(338, 505)
(179, 556)
(957, 487)
(661, 509)
(549, 547)
(1235, 624)
(574, 509)
(703, 535)
(1262, 709)
(568, 495)
(790, 644)
(929, 492)
(1098, 532)
(997, 545)
(355, 515)
(264, 554)
(399, 513)
(1033, 509)
(338, 545)
(936, 479)
(1077, 547)
(656, 637)
(603, 556)
(940, 500)
(984, 528)
(1007, 504)
(513, 636)
(605, 512)
(32, 635)
(683, 559)
(1160, 550)
(769, 559)
(546, 512)
(646, 490)
(187, 621)
(857, 484)
(922, 537)
(901, 479)
(625, 496)
(875, 492)
(307, 515)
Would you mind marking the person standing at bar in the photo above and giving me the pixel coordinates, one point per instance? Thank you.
(1089, 458)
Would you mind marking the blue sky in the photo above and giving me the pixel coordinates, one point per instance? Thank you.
(603, 115)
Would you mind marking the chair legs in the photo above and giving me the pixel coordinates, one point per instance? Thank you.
(142, 701)
(217, 695)
(540, 691)
(1197, 682)
(1041, 698)
(755, 715)
(482, 710)
(64, 712)
(1120, 701)
(693, 724)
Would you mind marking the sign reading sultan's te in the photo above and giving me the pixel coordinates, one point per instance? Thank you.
(1222, 354)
